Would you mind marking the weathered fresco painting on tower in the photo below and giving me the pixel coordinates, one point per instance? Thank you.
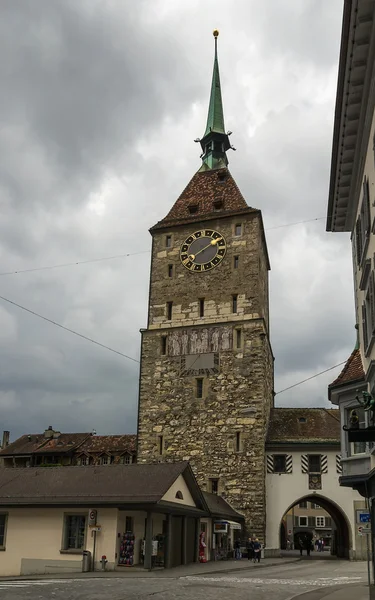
(206, 385)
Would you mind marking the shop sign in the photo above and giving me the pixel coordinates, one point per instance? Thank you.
(155, 548)
(220, 527)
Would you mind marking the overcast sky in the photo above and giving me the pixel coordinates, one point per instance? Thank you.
(99, 107)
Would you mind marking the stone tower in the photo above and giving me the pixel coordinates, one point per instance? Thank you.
(206, 382)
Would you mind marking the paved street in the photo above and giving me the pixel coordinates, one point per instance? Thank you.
(280, 582)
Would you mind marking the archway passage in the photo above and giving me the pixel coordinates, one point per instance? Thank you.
(316, 524)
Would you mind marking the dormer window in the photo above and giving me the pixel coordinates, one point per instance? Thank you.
(302, 419)
(193, 208)
(222, 176)
(218, 204)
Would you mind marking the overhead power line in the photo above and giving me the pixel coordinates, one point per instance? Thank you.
(32, 312)
(312, 377)
(104, 258)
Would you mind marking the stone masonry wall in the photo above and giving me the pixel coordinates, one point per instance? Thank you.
(237, 381)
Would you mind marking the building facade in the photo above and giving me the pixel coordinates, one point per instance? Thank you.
(351, 208)
(206, 382)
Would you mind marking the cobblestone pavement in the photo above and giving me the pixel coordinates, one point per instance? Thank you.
(281, 582)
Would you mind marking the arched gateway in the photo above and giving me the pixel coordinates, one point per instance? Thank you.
(303, 492)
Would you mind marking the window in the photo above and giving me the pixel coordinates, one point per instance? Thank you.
(104, 460)
(208, 148)
(314, 506)
(168, 241)
(234, 303)
(302, 521)
(358, 447)
(314, 463)
(362, 228)
(126, 459)
(179, 495)
(222, 176)
(218, 204)
(160, 444)
(238, 229)
(3, 523)
(129, 525)
(238, 441)
(199, 387)
(236, 262)
(279, 463)
(368, 312)
(214, 486)
(83, 461)
(302, 419)
(201, 307)
(238, 338)
(169, 310)
(193, 208)
(74, 532)
(163, 345)
(320, 522)
(302, 504)
(170, 270)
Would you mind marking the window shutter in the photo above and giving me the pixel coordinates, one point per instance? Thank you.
(328, 522)
(270, 463)
(304, 463)
(289, 463)
(296, 522)
(358, 239)
(372, 301)
(324, 463)
(364, 326)
(366, 207)
(311, 521)
(338, 464)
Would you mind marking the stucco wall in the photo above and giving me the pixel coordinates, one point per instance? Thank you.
(179, 486)
(34, 540)
(284, 490)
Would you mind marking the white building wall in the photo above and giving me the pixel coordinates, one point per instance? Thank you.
(285, 490)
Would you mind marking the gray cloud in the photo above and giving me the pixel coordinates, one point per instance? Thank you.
(100, 105)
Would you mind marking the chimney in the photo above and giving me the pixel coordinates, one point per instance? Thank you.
(5, 439)
(49, 432)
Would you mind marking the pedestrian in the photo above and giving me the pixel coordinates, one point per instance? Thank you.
(300, 545)
(250, 548)
(307, 545)
(237, 549)
(288, 544)
(257, 548)
(321, 545)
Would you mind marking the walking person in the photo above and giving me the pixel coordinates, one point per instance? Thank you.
(307, 545)
(257, 548)
(237, 549)
(300, 545)
(250, 549)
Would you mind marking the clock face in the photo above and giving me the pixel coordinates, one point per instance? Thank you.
(203, 250)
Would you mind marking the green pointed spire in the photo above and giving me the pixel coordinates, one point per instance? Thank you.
(215, 119)
(215, 141)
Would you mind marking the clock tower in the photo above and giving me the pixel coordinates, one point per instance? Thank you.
(206, 381)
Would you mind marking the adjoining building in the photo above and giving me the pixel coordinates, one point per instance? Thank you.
(63, 449)
(304, 467)
(145, 515)
(351, 208)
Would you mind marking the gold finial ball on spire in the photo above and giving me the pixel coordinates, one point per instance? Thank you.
(215, 33)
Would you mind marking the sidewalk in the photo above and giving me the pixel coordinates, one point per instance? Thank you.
(209, 568)
(347, 592)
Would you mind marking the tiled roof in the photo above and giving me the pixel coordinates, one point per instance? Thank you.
(110, 443)
(101, 484)
(352, 371)
(202, 190)
(38, 444)
(304, 425)
(220, 507)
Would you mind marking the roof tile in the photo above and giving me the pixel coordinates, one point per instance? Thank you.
(352, 371)
(304, 425)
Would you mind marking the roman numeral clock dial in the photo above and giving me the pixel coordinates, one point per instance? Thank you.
(203, 250)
